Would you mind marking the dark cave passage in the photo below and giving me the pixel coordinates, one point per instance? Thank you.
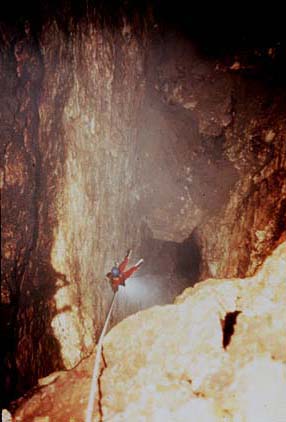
(228, 327)
(169, 268)
(183, 260)
(127, 127)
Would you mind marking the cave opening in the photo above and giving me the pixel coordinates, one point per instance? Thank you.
(128, 126)
(228, 327)
(169, 267)
(182, 260)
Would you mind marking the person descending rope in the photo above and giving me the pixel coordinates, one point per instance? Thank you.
(117, 276)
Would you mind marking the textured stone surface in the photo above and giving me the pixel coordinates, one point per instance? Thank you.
(94, 196)
(21, 75)
(257, 202)
(219, 158)
(114, 126)
(69, 110)
(172, 363)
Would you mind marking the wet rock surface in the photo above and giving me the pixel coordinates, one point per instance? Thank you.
(171, 362)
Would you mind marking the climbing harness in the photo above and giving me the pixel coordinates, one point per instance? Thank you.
(96, 368)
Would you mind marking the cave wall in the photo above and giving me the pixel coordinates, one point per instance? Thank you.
(254, 218)
(70, 111)
(111, 132)
(21, 76)
(98, 129)
(218, 164)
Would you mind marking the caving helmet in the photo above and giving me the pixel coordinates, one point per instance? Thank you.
(115, 270)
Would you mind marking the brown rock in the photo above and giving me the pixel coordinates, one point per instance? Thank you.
(170, 362)
(111, 128)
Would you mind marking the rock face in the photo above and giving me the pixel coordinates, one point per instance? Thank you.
(70, 103)
(217, 354)
(219, 158)
(120, 132)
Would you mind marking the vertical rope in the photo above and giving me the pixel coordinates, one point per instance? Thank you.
(96, 367)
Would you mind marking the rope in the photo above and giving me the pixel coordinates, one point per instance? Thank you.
(96, 367)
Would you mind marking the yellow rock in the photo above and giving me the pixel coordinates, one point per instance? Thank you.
(169, 364)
